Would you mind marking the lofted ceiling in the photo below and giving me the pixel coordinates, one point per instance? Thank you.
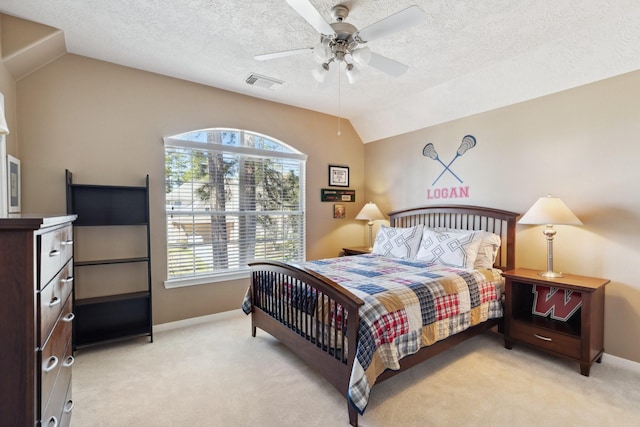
(468, 56)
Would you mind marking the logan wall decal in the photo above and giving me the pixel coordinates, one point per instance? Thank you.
(429, 150)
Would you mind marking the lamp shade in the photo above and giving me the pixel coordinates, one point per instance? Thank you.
(549, 210)
(353, 74)
(322, 52)
(4, 129)
(361, 55)
(320, 72)
(370, 212)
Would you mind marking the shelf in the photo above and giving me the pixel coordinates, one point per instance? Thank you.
(124, 313)
(110, 261)
(98, 205)
(112, 317)
(112, 298)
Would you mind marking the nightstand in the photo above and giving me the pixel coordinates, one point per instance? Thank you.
(356, 250)
(562, 316)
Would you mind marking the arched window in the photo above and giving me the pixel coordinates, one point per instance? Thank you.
(231, 196)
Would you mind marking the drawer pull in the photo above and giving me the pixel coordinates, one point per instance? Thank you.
(55, 301)
(543, 338)
(67, 363)
(68, 407)
(54, 252)
(66, 242)
(69, 317)
(67, 280)
(53, 422)
(51, 365)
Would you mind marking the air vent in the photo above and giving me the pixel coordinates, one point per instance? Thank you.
(263, 81)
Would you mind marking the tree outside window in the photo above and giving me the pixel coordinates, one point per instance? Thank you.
(231, 196)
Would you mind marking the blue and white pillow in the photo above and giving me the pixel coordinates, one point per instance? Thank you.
(452, 249)
(397, 242)
(489, 246)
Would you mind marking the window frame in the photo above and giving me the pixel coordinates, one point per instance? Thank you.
(293, 154)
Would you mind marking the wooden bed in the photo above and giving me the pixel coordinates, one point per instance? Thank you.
(320, 346)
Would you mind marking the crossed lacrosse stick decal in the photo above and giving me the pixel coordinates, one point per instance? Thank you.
(468, 142)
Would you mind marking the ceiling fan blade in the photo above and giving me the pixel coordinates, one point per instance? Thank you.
(282, 54)
(387, 65)
(402, 20)
(312, 16)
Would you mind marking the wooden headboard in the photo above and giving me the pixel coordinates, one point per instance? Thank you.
(502, 223)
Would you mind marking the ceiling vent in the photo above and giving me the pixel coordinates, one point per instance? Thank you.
(263, 81)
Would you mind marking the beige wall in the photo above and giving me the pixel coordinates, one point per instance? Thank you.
(8, 89)
(582, 145)
(105, 123)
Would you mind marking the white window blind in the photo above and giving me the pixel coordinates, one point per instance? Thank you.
(231, 196)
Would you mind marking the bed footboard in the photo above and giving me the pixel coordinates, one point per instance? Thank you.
(300, 307)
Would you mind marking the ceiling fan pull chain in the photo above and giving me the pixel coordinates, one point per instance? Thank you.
(339, 90)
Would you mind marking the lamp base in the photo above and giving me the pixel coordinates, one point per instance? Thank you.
(550, 274)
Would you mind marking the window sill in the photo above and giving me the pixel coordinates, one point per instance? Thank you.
(206, 280)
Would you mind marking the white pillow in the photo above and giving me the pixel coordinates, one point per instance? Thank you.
(396, 242)
(449, 248)
(488, 250)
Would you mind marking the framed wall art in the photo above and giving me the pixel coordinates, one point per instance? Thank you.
(339, 211)
(338, 176)
(333, 195)
(13, 183)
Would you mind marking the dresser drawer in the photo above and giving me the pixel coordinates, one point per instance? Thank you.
(56, 248)
(547, 339)
(67, 408)
(56, 408)
(55, 353)
(53, 298)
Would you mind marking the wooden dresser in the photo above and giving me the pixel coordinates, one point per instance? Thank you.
(36, 283)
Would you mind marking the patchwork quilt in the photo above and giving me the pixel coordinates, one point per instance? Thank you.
(407, 305)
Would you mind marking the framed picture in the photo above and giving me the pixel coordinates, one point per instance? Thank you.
(13, 183)
(339, 210)
(338, 176)
(331, 195)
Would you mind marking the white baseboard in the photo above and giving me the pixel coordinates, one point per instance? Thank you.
(195, 320)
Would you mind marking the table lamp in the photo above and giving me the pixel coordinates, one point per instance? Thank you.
(370, 212)
(549, 211)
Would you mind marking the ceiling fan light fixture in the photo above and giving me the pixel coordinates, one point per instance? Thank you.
(322, 52)
(353, 74)
(320, 72)
(361, 55)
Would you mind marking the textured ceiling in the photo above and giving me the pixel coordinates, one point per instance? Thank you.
(469, 56)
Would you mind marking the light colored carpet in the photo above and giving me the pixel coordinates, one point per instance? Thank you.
(211, 372)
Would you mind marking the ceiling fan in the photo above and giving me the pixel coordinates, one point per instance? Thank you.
(343, 42)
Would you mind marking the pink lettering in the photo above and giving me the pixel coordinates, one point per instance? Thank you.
(447, 193)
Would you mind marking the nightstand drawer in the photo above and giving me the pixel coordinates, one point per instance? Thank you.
(545, 338)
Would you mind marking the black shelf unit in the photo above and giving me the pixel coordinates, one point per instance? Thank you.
(118, 315)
